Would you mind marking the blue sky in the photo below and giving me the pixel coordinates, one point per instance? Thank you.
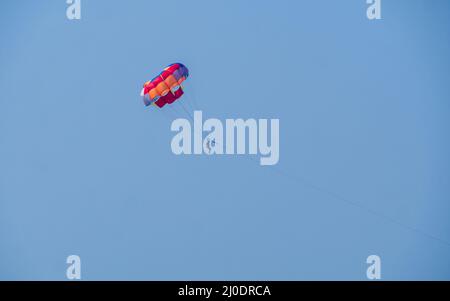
(364, 169)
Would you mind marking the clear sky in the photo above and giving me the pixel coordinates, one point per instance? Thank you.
(364, 169)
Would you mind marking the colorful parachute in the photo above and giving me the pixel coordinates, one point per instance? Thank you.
(166, 87)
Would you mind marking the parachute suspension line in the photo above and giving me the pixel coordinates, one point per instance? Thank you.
(174, 107)
(194, 103)
(173, 110)
(194, 98)
(189, 104)
(187, 112)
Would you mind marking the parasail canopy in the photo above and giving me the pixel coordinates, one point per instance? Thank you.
(166, 87)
